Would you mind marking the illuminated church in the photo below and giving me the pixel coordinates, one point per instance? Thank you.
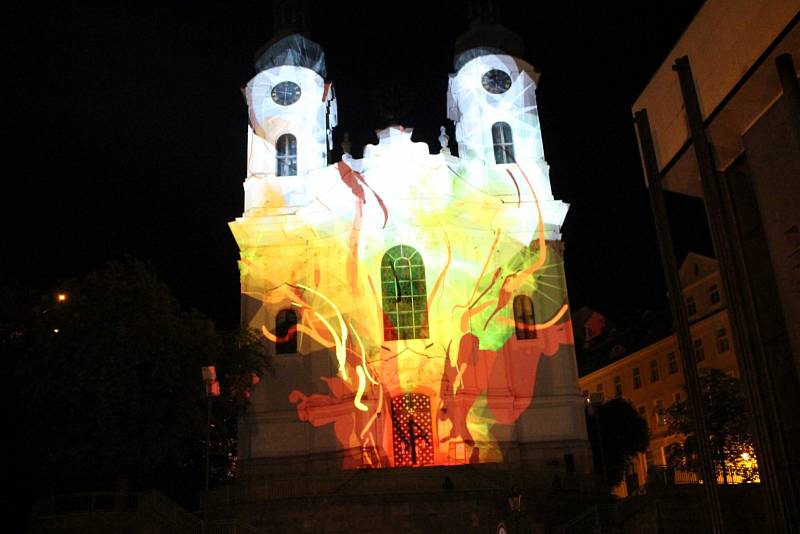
(415, 301)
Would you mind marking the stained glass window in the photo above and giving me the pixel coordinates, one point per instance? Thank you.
(405, 306)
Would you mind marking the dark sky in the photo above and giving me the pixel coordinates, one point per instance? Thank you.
(126, 130)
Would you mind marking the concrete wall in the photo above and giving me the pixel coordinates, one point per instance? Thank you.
(723, 41)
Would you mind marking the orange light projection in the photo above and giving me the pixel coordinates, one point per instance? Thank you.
(387, 286)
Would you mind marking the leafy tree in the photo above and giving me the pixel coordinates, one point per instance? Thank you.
(618, 433)
(726, 420)
(110, 387)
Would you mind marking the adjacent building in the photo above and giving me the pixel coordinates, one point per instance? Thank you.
(720, 120)
(652, 377)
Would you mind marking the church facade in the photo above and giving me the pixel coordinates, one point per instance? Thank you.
(415, 301)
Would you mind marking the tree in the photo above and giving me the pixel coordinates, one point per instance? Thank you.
(726, 419)
(110, 386)
(618, 433)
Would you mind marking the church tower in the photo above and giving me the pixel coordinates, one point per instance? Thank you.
(292, 113)
(415, 302)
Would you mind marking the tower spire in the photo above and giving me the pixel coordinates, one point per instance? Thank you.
(289, 16)
(485, 34)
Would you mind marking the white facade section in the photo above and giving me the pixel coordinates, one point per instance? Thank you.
(475, 110)
(310, 120)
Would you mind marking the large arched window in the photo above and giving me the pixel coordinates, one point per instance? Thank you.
(524, 317)
(503, 143)
(286, 331)
(286, 150)
(405, 298)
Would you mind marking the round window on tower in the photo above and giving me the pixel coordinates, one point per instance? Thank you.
(286, 93)
(496, 81)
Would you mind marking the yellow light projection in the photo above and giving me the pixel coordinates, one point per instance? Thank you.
(426, 288)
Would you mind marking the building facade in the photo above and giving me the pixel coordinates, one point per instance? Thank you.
(652, 378)
(415, 303)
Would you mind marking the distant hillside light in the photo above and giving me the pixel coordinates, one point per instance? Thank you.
(61, 297)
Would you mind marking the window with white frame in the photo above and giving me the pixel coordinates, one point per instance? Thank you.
(286, 155)
(655, 375)
(672, 363)
(713, 294)
(699, 353)
(637, 378)
(503, 143)
(723, 345)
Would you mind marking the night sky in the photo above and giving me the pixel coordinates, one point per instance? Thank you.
(127, 131)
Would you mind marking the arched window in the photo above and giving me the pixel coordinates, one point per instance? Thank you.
(286, 150)
(503, 143)
(524, 317)
(286, 331)
(405, 298)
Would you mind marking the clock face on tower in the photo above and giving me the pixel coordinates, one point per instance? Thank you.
(496, 81)
(286, 93)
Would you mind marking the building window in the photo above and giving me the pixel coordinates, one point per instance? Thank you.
(617, 386)
(286, 331)
(699, 354)
(722, 341)
(599, 392)
(659, 412)
(654, 374)
(691, 307)
(643, 412)
(637, 378)
(286, 154)
(677, 397)
(713, 294)
(524, 317)
(672, 363)
(503, 143)
(405, 306)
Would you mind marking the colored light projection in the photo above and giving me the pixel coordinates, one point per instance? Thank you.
(420, 292)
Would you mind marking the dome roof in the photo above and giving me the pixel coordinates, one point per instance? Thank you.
(293, 49)
(484, 38)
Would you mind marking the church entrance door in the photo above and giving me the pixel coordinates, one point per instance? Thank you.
(412, 431)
